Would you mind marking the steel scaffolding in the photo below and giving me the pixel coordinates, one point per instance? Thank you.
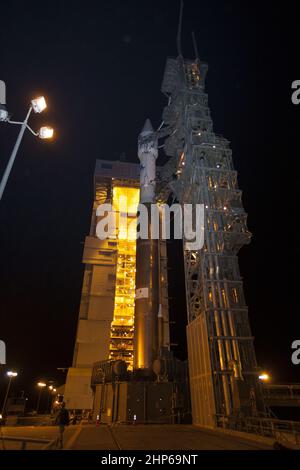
(222, 363)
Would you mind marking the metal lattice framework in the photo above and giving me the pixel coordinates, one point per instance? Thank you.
(200, 171)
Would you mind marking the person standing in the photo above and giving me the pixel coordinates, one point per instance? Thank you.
(62, 420)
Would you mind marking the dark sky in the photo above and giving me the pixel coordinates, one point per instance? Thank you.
(100, 66)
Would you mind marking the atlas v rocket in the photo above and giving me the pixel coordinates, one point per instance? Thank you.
(147, 305)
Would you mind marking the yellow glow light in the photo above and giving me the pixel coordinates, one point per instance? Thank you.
(39, 104)
(125, 203)
(11, 373)
(264, 377)
(46, 132)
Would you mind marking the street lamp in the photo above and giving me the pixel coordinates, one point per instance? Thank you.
(11, 374)
(264, 377)
(41, 386)
(37, 105)
(46, 132)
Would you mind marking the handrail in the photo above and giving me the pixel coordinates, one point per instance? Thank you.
(263, 426)
(295, 386)
(50, 444)
(25, 440)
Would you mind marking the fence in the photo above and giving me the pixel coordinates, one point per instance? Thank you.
(281, 430)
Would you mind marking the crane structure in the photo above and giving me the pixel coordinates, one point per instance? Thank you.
(222, 364)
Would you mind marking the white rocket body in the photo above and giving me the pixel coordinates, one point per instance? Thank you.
(147, 153)
(147, 281)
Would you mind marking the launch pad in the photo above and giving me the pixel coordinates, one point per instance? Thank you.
(124, 312)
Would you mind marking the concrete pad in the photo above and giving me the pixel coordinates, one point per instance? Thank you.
(160, 437)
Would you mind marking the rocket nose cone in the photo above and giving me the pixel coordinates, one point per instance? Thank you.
(147, 126)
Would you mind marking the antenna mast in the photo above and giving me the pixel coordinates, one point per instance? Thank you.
(195, 47)
(179, 30)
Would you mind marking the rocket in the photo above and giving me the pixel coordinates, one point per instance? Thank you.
(147, 153)
(147, 259)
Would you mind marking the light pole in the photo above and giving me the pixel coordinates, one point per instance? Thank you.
(50, 389)
(37, 105)
(51, 397)
(41, 385)
(11, 375)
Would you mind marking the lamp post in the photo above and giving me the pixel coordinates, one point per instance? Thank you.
(41, 386)
(45, 132)
(51, 390)
(11, 374)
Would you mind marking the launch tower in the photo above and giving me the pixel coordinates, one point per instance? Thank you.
(222, 364)
(122, 348)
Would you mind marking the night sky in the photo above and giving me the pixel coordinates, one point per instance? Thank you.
(100, 67)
